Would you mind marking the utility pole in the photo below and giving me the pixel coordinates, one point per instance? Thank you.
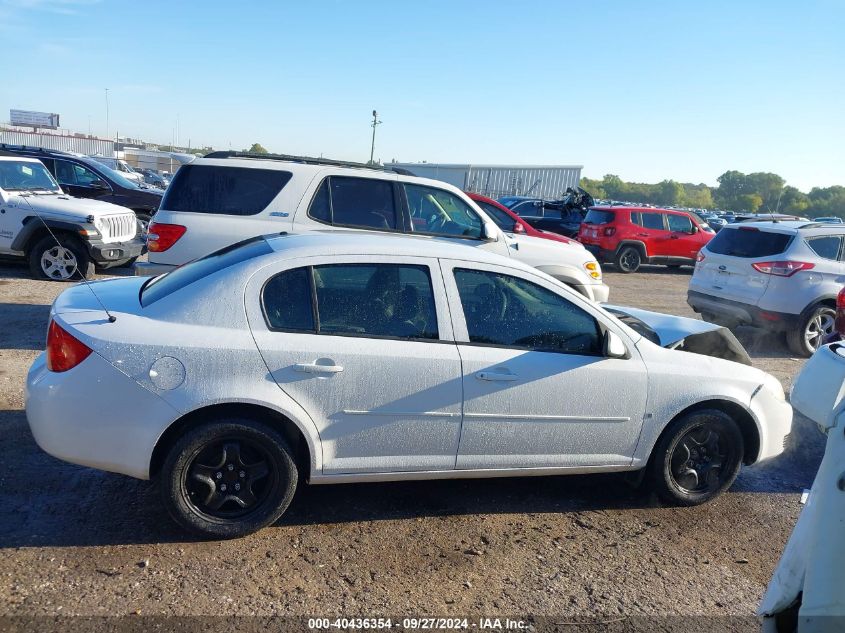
(107, 112)
(373, 145)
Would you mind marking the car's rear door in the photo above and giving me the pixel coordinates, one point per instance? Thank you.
(654, 232)
(538, 392)
(366, 349)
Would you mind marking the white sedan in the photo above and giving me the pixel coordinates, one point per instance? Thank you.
(359, 357)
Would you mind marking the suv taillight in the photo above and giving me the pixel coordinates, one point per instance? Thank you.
(161, 236)
(782, 268)
(63, 350)
(609, 231)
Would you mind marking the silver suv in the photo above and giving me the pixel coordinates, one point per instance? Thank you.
(782, 276)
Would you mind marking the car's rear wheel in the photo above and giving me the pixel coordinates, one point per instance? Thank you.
(228, 478)
(628, 259)
(817, 324)
(697, 458)
(60, 258)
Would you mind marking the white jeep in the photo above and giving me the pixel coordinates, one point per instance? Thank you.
(63, 238)
(227, 197)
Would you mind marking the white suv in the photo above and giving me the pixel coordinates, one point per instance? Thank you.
(782, 276)
(228, 196)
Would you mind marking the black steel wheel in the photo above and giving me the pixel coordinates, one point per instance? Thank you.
(229, 478)
(697, 458)
(629, 259)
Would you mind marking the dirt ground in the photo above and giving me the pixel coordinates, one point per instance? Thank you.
(79, 541)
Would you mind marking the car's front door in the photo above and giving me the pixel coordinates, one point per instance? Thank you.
(538, 391)
(366, 350)
(79, 181)
(684, 240)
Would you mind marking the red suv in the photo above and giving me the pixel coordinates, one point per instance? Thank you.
(631, 236)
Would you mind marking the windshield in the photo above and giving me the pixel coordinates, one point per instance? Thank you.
(502, 219)
(26, 176)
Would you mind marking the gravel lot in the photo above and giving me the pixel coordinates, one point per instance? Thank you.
(78, 541)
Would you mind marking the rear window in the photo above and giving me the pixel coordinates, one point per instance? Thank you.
(164, 285)
(748, 242)
(596, 216)
(223, 190)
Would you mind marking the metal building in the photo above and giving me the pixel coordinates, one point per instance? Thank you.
(543, 181)
(66, 143)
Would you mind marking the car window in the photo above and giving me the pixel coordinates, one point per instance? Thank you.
(438, 212)
(598, 216)
(502, 219)
(528, 208)
(679, 223)
(636, 218)
(653, 221)
(159, 287)
(287, 303)
(355, 202)
(748, 241)
(391, 300)
(223, 190)
(504, 310)
(68, 173)
(827, 246)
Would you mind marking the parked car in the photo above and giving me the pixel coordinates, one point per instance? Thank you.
(558, 216)
(84, 177)
(121, 166)
(828, 219)
(62, 238)
(153, 178)
(529, 378)
(781, 276)
(510, 222)
(806, 590)
(229, 196)
(716, 223)
(632, 236)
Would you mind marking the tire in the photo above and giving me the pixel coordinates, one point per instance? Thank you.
(67, 260)
(814, 328)
(685, 453)
(628, 259)
(205, 467)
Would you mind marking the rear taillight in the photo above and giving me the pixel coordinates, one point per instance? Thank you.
(609, 231)
(63, 350)
(839, 323)
(160, 236)
(782, 268)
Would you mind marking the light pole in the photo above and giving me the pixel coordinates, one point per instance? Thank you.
(107, 112)
(373, 145)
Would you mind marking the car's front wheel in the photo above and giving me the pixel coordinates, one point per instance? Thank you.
(810, 335)
(697, 458)
(60, 258)
(228, 478)
(628, 260)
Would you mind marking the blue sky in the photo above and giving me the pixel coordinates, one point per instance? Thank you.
(681, 90)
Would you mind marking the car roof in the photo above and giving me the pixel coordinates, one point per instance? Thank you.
(340, 242)
(790, 226)
(17, 158)
(625, 207)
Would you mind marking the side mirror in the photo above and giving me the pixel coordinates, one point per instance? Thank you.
(518, 228)
(97, 184)
(490, 232)
(693, 230)
(614, 346)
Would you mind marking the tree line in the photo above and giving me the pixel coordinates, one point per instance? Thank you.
(756, 193)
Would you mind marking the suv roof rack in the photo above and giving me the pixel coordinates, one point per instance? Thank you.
(9, 147)
(307, 160)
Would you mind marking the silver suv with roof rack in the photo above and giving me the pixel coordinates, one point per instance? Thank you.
(781, 276)
(227, 197)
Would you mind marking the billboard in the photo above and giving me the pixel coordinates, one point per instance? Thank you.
(28, 118)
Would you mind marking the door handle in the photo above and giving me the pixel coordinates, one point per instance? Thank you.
(496, 377)
(674, 236)
(642, 234)
(314, 368)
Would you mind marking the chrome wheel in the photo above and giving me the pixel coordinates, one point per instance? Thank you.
(819, 327)
(59, 263)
